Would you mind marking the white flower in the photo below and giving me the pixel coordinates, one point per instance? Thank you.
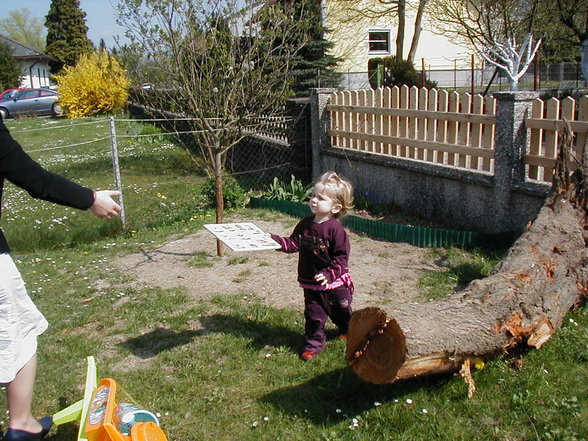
(266, 418)
(408, 401)
(377, 403)
(425, 411)
(338, 410)
(255, 424)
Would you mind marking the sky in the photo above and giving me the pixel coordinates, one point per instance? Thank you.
(100, 16)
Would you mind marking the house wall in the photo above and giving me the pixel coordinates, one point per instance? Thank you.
(349, 33)
(35, 73)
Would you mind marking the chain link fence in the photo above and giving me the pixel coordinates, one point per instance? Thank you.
(564, 76)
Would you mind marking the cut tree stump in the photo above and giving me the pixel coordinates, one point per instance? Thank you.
(523, 301)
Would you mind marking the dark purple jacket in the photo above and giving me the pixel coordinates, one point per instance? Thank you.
(18, 167)
(323, 248)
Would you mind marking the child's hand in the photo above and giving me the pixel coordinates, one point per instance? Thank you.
(320, 277)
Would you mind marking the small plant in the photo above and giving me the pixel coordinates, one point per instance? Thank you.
(201, 260)
(147, 134)
(295, 191)
(373, 204)
(238, 260)
(396, 72)
(233, 197)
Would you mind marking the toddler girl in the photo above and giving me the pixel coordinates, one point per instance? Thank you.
(323, 271)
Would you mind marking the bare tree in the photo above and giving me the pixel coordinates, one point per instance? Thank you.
(395, 10)
(499, 30)
(223, 64)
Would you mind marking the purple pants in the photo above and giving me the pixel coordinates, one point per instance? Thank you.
(318, 307)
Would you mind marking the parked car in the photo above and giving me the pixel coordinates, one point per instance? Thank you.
(9, 93)
(40, 101)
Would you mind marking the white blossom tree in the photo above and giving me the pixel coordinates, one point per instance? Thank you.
(494, 28)
(514, 60)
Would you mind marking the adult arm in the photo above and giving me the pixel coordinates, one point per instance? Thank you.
(20, 169)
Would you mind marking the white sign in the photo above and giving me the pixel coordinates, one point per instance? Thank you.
(244, 236)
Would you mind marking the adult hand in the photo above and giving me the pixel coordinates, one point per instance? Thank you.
(103, 206)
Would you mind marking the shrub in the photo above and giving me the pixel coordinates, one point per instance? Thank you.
(96, 84)
(233, 194)
(396, 72)
(296, 191)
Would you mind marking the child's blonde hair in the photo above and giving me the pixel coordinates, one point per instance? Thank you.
(338, 189)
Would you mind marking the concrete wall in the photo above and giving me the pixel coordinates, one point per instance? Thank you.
(490, 203)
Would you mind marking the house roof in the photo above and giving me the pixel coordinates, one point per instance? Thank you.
(23, 52)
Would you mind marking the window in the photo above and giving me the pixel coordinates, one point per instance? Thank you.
(379, 42)
(28, 94)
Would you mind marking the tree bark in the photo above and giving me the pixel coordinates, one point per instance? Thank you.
(524, 301)
(219, 197)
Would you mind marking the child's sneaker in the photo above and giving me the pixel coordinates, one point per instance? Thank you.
(308, 355)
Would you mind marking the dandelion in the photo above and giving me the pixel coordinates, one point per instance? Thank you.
(479, 363)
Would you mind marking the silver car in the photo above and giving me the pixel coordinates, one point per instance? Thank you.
(31, 102)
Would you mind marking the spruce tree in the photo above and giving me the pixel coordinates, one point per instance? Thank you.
(315, 66)
(66, 33)
(9, 71)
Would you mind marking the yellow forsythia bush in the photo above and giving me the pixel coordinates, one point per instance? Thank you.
(96, 84)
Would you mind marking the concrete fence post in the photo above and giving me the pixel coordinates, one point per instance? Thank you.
(511, 142)
(320, 122)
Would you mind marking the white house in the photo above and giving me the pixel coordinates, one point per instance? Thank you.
(358, 33)
(34, 65)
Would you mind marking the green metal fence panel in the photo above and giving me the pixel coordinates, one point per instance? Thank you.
(418, 236)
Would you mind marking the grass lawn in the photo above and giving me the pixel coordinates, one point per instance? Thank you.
(227, 368)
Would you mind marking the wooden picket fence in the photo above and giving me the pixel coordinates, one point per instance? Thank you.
(436, 126)
(272, 128)
(546, 124)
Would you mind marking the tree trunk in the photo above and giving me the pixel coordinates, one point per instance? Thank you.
(401, 29)
(417, 31)
(219, 197)
(524, 301)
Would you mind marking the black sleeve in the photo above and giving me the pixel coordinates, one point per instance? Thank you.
(20, 169)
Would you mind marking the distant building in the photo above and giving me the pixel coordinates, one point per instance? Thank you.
(357, 37)
(34, 65)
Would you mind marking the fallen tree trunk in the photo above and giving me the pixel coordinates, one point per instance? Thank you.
(525, 300)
